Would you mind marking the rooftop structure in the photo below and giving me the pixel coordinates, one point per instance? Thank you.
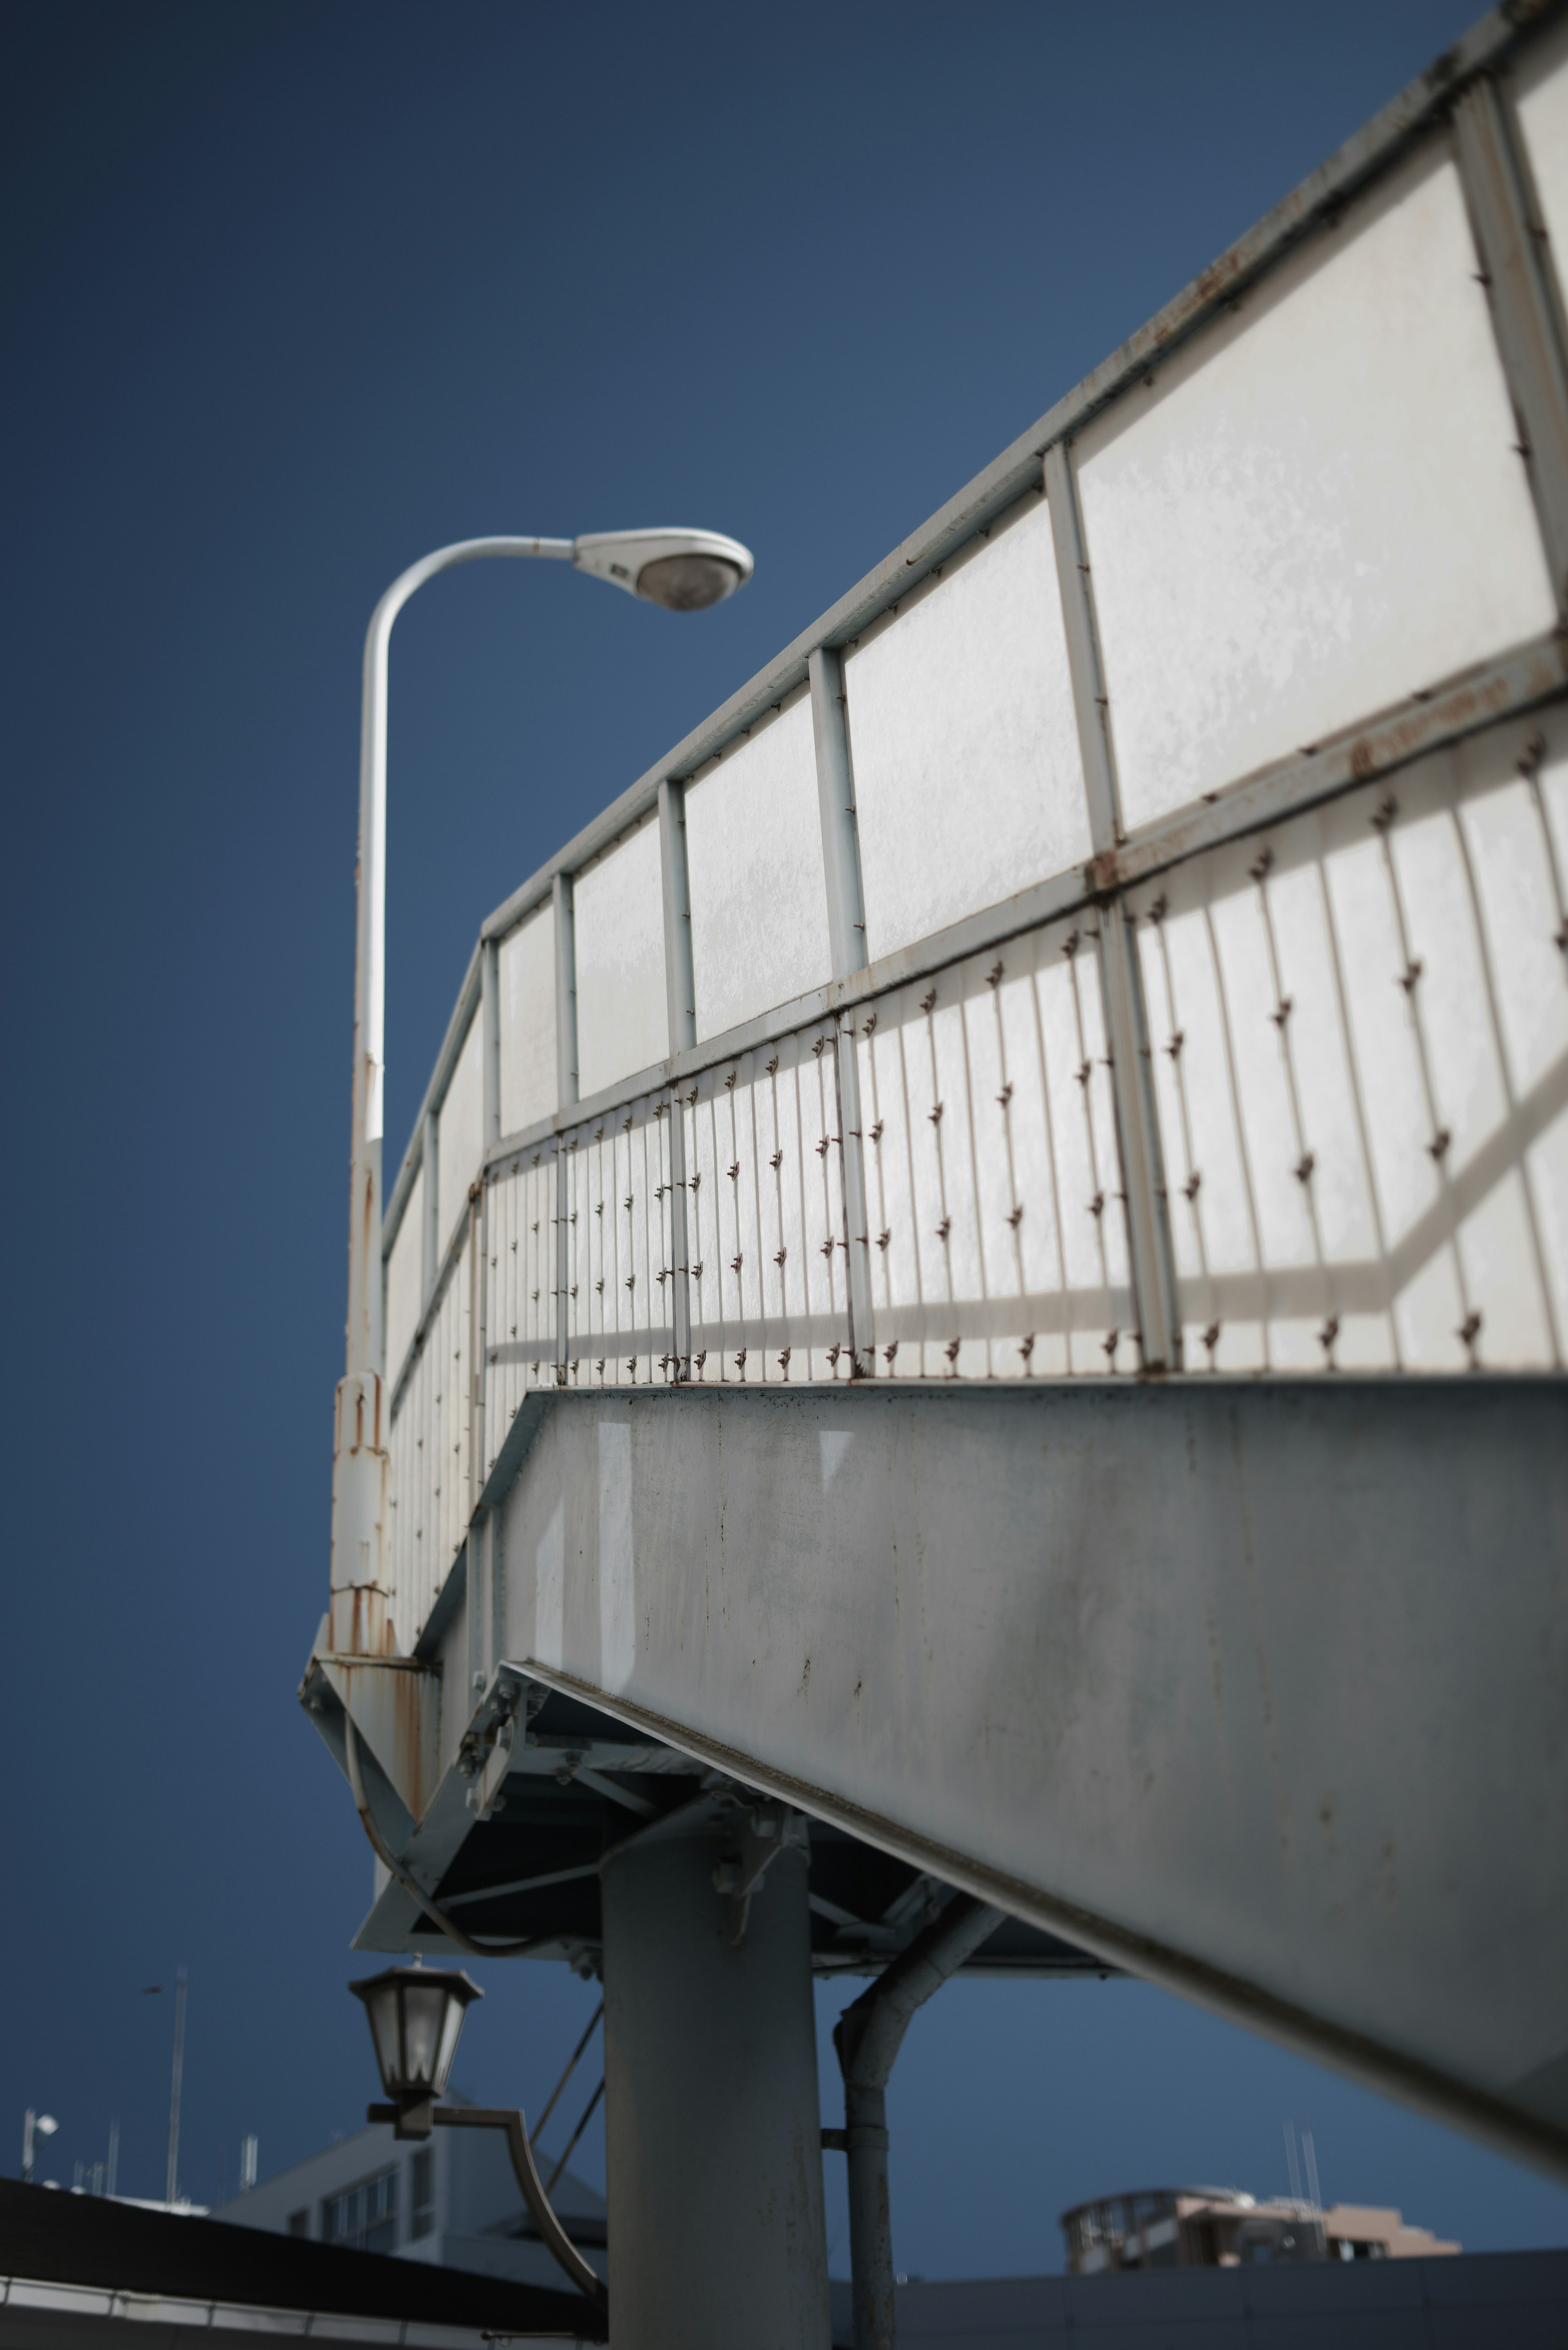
(1219, 2227)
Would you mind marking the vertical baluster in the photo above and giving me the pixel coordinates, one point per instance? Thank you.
(1192, 1181)
(1383, 824)
(1499, 1050)
(1052, 1160)
(1243, 1149)
(1305, 1165)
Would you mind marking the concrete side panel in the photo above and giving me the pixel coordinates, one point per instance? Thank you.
(1267, 1684)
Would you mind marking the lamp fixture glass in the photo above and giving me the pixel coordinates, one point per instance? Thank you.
(416, 2014)
(683, 570)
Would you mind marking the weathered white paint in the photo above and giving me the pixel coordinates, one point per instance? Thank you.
(405, 1273)
(528, 1021)
(1544, 116)
(968, 782)
(753, 852)
(622, 1021)
(549, 1569)
(461, 1133)
(1190, 1656)
(1316, 510)
(1360, 1031)
(616, 1195)
(428, 1475)
(617, 1562)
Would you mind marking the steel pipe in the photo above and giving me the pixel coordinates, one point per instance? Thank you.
(394, 1867)
(868, 2036)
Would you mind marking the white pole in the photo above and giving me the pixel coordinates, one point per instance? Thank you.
(174, 2087)
(658, 566)
(113, 2155)
(365, 1336)
(359, 1624)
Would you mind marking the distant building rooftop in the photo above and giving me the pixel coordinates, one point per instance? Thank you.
(1222, 2227)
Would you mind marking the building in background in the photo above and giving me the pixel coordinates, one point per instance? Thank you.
(451, 2202)
(1219, 2227)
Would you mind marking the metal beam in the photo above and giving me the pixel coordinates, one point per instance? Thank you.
(1525, 306)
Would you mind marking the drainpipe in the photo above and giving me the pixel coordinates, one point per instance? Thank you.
(868, 2036)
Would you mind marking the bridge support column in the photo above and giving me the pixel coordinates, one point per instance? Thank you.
(717, 2238)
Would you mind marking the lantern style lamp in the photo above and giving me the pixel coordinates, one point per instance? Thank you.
(416, 2015)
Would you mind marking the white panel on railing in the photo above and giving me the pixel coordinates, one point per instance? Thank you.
(753, 851)
(1544, 113)
(995, 1189)
(1317, 509)
(405, 1278)
(461, 1139)
(622, 1024)
(968, 782)
(765, 1221)
(528, 959)
(1360, 1034)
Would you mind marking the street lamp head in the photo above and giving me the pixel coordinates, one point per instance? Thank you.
(46, 2125)
(416, 2014)
(683, 570)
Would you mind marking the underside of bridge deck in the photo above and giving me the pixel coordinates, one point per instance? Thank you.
(1256, 1690)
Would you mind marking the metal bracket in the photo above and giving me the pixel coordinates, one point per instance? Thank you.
(485, 1750)
(418, 2121)
(766, 1831)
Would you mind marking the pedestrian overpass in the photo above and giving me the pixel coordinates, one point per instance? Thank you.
(978, 1299)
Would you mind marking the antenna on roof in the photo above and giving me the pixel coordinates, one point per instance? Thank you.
(1296, 2177)
(1311, 2154)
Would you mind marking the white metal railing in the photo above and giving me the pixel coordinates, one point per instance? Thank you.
(1000, 986)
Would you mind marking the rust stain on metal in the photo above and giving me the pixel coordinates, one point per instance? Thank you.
(394, 1705)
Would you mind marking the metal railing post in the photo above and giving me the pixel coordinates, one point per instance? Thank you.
(680, 1004)
(1137, 1126)
(847, 940)
(430, 1236)
(477, 1198)
(489, 1017)
(1525, 305)
(489, 1038)
(565, 1091)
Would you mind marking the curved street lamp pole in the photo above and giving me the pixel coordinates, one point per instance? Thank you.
(683, 570)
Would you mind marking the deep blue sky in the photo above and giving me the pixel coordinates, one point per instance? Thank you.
(292, 294)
